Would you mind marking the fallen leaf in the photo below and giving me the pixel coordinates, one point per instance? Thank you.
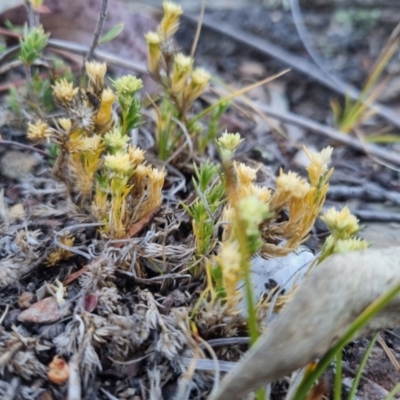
(319, 313)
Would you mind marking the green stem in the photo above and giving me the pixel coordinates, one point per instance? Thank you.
(338, 376)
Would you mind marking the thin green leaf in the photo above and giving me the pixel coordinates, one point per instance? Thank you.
(370, 312)
(337, 393)
(361, 367)
(393, 393)
(112, 33)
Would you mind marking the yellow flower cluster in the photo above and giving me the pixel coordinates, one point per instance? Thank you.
(39, 130)
(343, 227)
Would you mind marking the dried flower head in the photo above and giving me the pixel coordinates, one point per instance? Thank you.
(127, 85)
(64, 92)
(118, 163)
(83, 117)
(342, 224)
(39, 130)
(115, 141)
(170, 22)
(318, 164)
(153, 40)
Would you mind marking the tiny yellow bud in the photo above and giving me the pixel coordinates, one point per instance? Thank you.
(341, 223)
(153, 40)
(65, 123)
(198, 83)
(318, 164)
(104, 115)
(182, 67)
(127, 85)
(118, 163)
(115, 140)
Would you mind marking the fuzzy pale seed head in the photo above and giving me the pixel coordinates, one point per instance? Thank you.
(170, 23)
(83, 117)
(118, 163)
(341, 224)
(115, 140)
(39, 130)
(64, 92)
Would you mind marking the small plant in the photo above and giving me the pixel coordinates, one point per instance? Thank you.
(182, 84)
(95, 161)
(354, 112)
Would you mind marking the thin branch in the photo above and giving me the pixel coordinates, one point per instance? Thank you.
(96, 35)
(331, 133)
(198, 29)
(25, 147)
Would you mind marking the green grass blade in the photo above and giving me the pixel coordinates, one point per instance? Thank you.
(373, 309)
(361, 367)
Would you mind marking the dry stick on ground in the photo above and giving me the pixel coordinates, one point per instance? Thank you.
(332, 134)
(366, 192)
(345, 285)
(298, 63)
